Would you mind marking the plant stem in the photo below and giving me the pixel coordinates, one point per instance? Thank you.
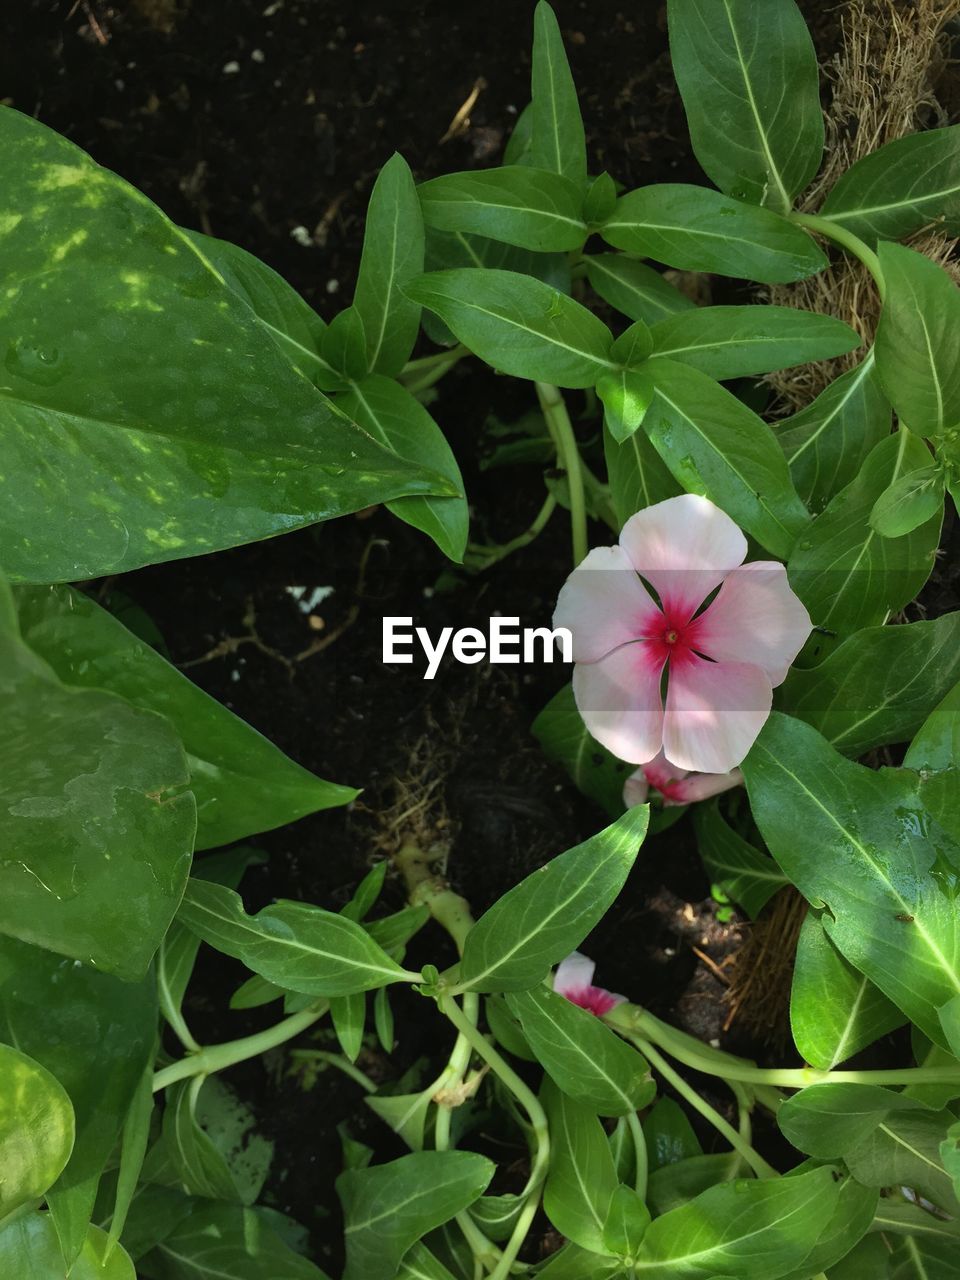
(640, 1150)
(632, 1020)
(423, 373)
(336, 1060)
(220, 1056)
(847, 240)
(743, 1149)
(568, 455)
(492, 554)
(427, 888)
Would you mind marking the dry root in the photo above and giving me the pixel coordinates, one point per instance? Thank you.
(761, 974)
(883, 88)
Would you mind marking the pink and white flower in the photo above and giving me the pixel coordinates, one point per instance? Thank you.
(721, 661)
(676, 786)
(574, 980)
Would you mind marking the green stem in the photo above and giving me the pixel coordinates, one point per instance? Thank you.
(568, 455)
(640, 1150)
(489, 555)
(335, 1060)
(847, 240)
(631, 1020)
(423, 373)
(426, 888)
(220, 1056)
(742, 1148)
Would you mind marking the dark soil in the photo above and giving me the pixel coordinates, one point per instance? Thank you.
(249, 119)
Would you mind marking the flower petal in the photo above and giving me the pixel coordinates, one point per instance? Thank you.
(660, 773)
(755, 618)
(603, 604)
(619, 700)
(684, 546)
(574, 973)
(635, 789)
(714, 712)
(701, 786)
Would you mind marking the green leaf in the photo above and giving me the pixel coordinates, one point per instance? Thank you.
(741, 1228)
(916, 341)
(717, 447)
(560, 730)
(96, 1035)
(746, 875)
(30, 1250)
(859, 843)
(638, 475)
(868, 1260)
(600, 200)
(389, 413)
(923, 1259)
(556, 137)
(573, 1263)
(210, 1137)
(734, 342)
(669, 1135)
(879, 685)
(828, 1120)
(843, 571)
(697, 229)
(519, 325)
(733, 59)
(545, 917)
(405, 1113)
(243, 784)
(634, 288)
(909, 502)
(675, 1184)
(344, 345)
(904, 1150)
(296, 945)
(135, 1138)
(582, 1180)
(626, 396)
(392, 255)
(851, 1219)
(633, 345)
(94, 816)
(835, 1011)
(390, 1206)
(36, 1129)
(582, 1056)
(827, 443)
(224, 1240)
(349, 1015)
(529, 208)
(517, 150)
(627, 1221)
(901, 187)
(290, 321)
(420, 1264)
(937, 744)
(168, 420)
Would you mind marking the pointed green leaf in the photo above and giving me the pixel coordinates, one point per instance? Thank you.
(828, 1120)
(827, 442)
(859, 843)
(30, 1250)
(634, 288)
(754, 137)
(717, 447)
(168, 420)
(556, 134)
(909, 502)
(843, 571)
(697, 229)
(916, 341)
(296, 945)
(96, 828)
(879, 685)
(582, 1056)
(527, 207)
(545, 917)
(519, 325)
(392, 255)
(734, 342)
(390, 1206)
(835, 1011)
(901, 187)
(742, 871)
(224, 1240)
(638, 475)
(582, 1180)
(560, 730)
(243, 784)
(626, 396)
(389, 413)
